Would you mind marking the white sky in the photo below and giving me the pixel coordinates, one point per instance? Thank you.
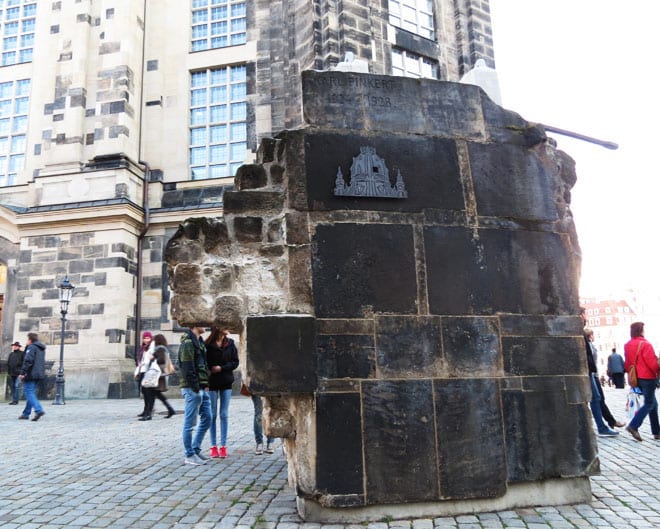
(592, 67)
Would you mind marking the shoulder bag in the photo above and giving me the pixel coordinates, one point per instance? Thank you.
(151, 375)
(632, 371)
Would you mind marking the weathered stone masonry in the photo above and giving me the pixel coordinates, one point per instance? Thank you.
(410, 350)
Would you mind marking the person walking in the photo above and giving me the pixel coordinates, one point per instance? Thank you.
(160, 356)
(145, 354)
(258, 427)
(14, 364)
(615, 369)
(222, 359)
(639, 353)
(32, 372)
(195, 391)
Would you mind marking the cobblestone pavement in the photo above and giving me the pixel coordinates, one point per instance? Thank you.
(91, 464)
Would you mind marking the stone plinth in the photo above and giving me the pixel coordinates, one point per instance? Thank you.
(404, 273)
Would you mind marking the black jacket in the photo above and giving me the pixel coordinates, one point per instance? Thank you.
(225, 357)
(15, 362)
(34, 363)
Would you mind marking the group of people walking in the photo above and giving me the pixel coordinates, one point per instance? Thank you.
(206, 377)
(638, 352)
(29, 368)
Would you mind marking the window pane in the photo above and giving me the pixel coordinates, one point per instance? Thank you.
(198, 97)
(238, 111)
(234, 167)
(9, 43)
(200, 16)
(200, 31)
(238, 132)
(198, 116)
(28, 25)
(240, 24)
(219, 76)
(200, 3)
(21, 105)
(199, 45)
(238, 73)
(19, 124)
(238, 91)
(29, 10)
(218, 134)
(4, 144)
(198, 173)
(219, 28)
(198, 136)
(198, 79)
(11, 28)
(218, 153)
(238, 10)
(25, 55)
(218, 13)
(239, 38)
(5, 107)
(218, 171)
(27, 40)
(218, 94)
(197, 155)
(238, 151)
(9, 58)
(16, 163)
(218, 113)
(219, 42)
(6, 90)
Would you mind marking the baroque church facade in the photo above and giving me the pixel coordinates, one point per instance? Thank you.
(121, 118)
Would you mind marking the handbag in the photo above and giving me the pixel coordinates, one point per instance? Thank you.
(151, 375)
(245, 391)
(169, 366)
(632, 371)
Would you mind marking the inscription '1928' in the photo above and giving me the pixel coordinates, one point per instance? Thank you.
(357, 99)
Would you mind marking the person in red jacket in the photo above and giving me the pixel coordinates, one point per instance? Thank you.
(639, 352)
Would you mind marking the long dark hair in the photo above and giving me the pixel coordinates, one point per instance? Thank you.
(214, 337)
(159, 339)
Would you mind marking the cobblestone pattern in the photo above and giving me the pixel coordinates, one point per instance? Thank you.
(91, 464)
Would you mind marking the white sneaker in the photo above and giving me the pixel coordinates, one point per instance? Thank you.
(193, 460)
(201, 460)
(260, 449)
(269, 448)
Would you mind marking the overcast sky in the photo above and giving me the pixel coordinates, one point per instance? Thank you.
(592, 67)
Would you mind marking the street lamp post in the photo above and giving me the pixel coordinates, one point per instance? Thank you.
(66, 292)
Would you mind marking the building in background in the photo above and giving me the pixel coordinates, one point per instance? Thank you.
(121, 118)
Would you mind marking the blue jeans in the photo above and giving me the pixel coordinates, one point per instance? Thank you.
(596, 410)
(258, 428)
(14, 388)
(650, 407)
(196, 403)
(225, 397)
(31, 400)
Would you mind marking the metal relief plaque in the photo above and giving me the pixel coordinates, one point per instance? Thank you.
(369, 178)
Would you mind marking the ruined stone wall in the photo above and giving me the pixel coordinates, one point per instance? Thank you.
(410, 343)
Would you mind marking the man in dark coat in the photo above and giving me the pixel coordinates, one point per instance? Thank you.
(33, 371)
(14, 364)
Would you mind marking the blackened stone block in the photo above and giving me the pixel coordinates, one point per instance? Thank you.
(94, 308)
(255, 202)
(408, 346)
(346, 356)
(39, 284)
(297, 228)
(401, 463)
(540, 355)
(470, 439)
(218, 277)
(248, 229)
(81, 265)
(281, 355)
(229, 313)
(527, 325)
(28, 325)
(510, 181)
(339, 447)
(40, 312)
(546, 437)
(25, 256)
(474, 275)
(472, 347)
(187, 279)
(357, 269)
(250, 176)
(112, 262)
(429, 167)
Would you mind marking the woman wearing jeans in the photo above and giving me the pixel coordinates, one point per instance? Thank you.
(222, 359)
(639, 352)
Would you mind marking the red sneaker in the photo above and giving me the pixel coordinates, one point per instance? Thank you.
(223, 452)
(214, 452)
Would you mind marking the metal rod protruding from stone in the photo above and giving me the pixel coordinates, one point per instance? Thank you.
(607, 144)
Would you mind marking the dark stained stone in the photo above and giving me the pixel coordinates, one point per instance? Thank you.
(40, 312)
(81, 265)
(517, 325)
(361, 268)
(218, 277)
(297, 228)
(94, 308)
(250, 176)
(511, 181)
(281, 357)
(187, 279)
(259, 202)
(408, 346)
(472, 347)
(112, 262)
(541, 449)
(399, 431)
(474, 275)
(540, 355)
(346, 356)
(229, 313)
(248, 229)
(470, 439)
(429, 167)
(339, 467)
